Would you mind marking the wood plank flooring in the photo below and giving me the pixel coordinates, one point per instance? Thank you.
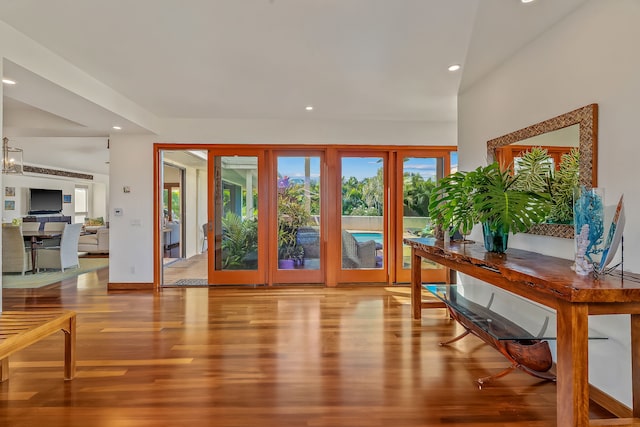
(286, 356)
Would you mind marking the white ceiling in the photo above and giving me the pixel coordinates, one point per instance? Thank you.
(350, 59)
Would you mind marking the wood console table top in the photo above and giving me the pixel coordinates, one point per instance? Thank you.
(534, 272)
(549, 281)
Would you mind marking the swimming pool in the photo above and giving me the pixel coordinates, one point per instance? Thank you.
(364, 236)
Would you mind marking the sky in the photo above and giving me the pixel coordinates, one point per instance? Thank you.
(360, 167)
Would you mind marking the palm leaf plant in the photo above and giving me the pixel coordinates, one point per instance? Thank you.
(565, 181)
(487, 195)
(502, 205)
(451, 203)
(239, 241)
(535, 170)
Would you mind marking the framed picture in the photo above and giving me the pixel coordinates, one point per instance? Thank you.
(9, 191)
(66, 198)
(9, 205)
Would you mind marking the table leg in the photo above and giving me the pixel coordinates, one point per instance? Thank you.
(70, 349)
(416, 284)
(572, 365)
(34, 243)
(4, 369)
(635, 363)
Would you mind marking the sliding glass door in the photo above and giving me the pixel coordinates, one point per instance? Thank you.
(416, 177)
(298, 231)
(362, 218)
(236, 243)
(266, 215)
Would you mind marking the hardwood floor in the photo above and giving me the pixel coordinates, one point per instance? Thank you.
(287, 356)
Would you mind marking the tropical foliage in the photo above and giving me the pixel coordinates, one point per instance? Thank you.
(363, 197)
(537, 174)
(292, 214)
(535, 171)
(487, 194)
(239, 241)
(417, 192)
(565, 181)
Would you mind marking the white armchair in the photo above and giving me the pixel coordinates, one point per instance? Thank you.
(97, 242)
(65, 255)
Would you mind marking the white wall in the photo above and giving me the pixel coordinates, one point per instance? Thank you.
(239, 131)
(131, 234)
(589, 57)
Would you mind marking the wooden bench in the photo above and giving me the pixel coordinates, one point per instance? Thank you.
(19, 329)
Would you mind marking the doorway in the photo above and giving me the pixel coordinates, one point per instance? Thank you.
(182, 211)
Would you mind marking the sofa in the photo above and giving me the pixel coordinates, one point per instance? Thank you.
(94, 242)
(171, 233)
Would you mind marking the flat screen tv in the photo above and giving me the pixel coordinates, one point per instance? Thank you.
(43, 201)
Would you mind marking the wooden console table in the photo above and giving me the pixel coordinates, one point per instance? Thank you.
(551, 282)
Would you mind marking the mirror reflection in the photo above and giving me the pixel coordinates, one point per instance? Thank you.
(573, 134)
(556, 143)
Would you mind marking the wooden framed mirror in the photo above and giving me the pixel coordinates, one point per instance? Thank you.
(580, 126)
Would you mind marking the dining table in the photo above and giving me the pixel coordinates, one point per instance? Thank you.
(36, 238)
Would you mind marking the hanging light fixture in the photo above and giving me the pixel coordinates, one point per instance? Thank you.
(11, 158)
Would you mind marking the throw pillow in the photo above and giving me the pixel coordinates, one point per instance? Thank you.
(94, 221)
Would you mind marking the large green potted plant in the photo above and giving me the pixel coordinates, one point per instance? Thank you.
(487, 195)
(292, 214)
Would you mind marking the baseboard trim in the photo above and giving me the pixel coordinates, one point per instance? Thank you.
(111, 286)
(612, 405)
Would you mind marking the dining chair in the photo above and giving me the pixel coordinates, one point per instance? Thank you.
(63, 256)
(31, 226)
(54, 226)
(15, 256)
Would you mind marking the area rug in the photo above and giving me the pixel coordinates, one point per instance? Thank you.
(188, 282)
(45, 278)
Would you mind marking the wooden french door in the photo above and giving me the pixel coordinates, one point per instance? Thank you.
(238, 240)
(361, 216)
(334, 214)
(416, 174)
(296, 225)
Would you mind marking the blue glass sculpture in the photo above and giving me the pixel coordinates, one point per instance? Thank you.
(588, 213)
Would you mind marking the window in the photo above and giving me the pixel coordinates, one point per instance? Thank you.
(81, 204)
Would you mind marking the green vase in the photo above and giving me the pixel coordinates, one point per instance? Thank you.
(495, 240)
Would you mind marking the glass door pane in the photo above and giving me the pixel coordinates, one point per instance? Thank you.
(298, 213)
(236, 213)
(419, 176)
(299, 254)
(363, 216)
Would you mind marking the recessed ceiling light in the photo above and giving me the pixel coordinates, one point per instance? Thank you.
(8, 81)
(309, 108)
(527, 1)
(454, 67)
(117, 127)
